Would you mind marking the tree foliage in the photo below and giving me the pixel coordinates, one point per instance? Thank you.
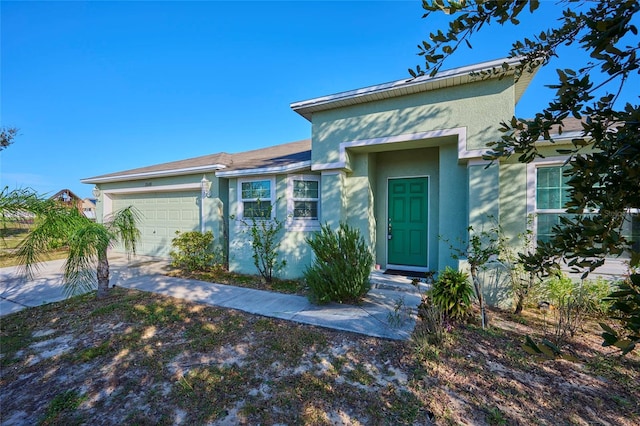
(87, 265)
(604, 163)
(7, 134)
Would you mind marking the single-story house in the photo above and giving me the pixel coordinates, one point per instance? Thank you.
(400, 161)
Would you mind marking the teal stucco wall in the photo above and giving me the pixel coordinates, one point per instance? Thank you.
(478, 107)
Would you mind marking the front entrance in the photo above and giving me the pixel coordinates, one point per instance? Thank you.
(407, 223)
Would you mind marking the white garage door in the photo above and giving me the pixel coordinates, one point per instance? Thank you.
(163, 213)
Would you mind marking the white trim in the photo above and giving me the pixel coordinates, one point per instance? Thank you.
(155, 174)
(158, 188)
(293, 224)
(332, 172)
(407, 268)
(532, 182)
(294, 167)
(460, 132)
(478, 162)
(464, 71)
(107, 201)
(386, 224)
(272, 194)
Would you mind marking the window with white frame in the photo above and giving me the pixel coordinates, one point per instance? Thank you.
(256, 198)
(551, 195)
(303, 199)
(552, 192)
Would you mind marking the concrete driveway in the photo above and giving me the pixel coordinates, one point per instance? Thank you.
(16, 292)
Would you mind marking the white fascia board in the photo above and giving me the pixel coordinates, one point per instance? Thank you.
(159, 188)
(155, 174)
(460, 132)
(443, 75)
(289, 168)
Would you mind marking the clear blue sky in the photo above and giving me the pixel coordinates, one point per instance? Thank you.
(100, 87)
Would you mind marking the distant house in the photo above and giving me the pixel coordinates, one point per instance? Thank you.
(402, 162)
(87, 206)
(68, 198)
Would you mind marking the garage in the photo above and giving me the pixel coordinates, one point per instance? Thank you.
(163, 213)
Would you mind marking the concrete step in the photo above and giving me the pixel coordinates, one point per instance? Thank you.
(397, 283)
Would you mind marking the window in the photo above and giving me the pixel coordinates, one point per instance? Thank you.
(303, 201)
(551, 195)
(552, 192)
(256, 198)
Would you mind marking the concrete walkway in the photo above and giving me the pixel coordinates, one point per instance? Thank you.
(388, 310)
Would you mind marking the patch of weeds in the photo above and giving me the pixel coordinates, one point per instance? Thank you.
(15, 336)
(400, 314)
(314, 414)
(129, 339)
(359, 374)
(159, 313)
(424, 347)
(93, 352)
(141, 418)
(208, 333)
(248, 409)
(338, 362)
(61, 409)
(203, 337)
(404, 406)
(311, 387)
(264, 324)
(494, 416)
(621, 401)
(287, 286)
(288, 344)
(516, 356)
(107, 309)
(205, 392)
(488, 331)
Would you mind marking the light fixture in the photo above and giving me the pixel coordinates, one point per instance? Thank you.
(205, 185)
(96, 191)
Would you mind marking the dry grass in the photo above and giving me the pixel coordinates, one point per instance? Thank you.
(11, 235)
(139, 358)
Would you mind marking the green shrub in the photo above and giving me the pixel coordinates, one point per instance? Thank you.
(341, 268)
(572, 302)
(625, 308)
(452, 293)
(193, 251)
(265, 233)
(431, 326)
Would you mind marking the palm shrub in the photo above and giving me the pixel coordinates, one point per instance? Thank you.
(87, 265)
(452, 293)
(341, 268)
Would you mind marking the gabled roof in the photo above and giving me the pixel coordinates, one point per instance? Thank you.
(443, 79)
(288, 154)
(65, 195)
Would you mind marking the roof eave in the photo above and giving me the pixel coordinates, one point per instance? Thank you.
(154, 174)
(289, 168)
(396, 88)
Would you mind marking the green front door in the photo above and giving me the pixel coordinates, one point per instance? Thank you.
(407, 226)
